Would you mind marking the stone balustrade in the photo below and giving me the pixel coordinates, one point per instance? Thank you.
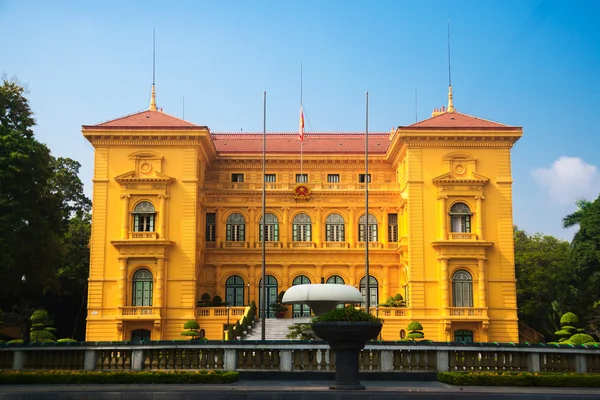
(298, 356)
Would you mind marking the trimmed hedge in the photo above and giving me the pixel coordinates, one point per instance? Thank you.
(519, 379)
(106, 377)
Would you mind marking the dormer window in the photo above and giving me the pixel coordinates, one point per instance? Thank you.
(144, 216)
(460, 218)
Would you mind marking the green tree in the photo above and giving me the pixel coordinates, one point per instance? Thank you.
(585, 254)
(544, 277)
(41, 327)
(44, 222)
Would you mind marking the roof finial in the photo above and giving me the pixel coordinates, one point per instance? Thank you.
(153, 96)
(450, 108)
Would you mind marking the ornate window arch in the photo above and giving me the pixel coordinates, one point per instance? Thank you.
(271, 226)
(234, 290)
(334, 228)
(236, 228)
(460, 218)
(142, 288)
(373, 289)
(372, 224)
(462, 289)
(301, 228)
(144, 217)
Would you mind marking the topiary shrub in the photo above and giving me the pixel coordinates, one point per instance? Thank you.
(394, 301)
(580, 338)
(217, 301)
(191, 329)
(569, 318)
(415, 329)
(66, 340)
(347, 314)
(41, 327)
(15, 341)
(204, 301)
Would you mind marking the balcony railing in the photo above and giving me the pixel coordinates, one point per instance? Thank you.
(274, 245)
(291, 185)
(393, 312)
(335, 245)
(302, 245)
(239, 245)
(141, 312)
(462, 236)
(143, 235)
(236, 312)
(465, 312)
(372, 245)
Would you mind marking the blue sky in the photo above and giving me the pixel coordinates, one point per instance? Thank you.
(527, 63)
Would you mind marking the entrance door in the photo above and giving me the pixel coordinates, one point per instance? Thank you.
(300, 310)
(140, 335)
(271, 287)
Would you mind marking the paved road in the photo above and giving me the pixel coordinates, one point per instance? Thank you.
(289, 390)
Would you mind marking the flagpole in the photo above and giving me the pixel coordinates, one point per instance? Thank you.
(264, 220)
(302, 137)
(367, 277)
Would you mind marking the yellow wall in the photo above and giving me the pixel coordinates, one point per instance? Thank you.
(186, 181)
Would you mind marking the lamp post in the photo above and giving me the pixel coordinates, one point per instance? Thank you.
(248, 293)
(228, 308)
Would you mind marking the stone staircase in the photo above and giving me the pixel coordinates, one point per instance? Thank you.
(275, 328)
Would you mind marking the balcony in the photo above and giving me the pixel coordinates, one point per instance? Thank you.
(466, 312)
(302, 245)
(285, 186)
(462, 236)
(143, 235)
(135, 312)
(235, 313)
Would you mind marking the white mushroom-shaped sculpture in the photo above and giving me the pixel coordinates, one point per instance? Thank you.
(322, 297)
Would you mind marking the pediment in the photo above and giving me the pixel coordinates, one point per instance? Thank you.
(451, 179)
(154, 177)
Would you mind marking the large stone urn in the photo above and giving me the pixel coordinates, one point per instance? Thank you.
(346, 339)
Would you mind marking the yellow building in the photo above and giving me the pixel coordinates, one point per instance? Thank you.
(178, 213)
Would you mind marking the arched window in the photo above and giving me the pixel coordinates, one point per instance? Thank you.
(372, 224)
(272, 227)
(301, 228)
(462, 289)
(236, 227)
(271, 287)
(143, 217)
(463, 336)
(300, 310)
(460, 218)
(234, 291)
(334, 228)
(142, 288)
(335, 279)
(373, 290)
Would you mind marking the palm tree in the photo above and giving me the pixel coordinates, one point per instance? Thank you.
(576, 217)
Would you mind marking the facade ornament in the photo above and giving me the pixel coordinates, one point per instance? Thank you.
(301, 192)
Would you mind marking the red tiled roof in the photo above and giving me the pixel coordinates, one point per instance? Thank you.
(314, 143)
(147, 119)
(456, 120)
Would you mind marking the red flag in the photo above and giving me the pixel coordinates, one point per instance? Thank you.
(301, 125)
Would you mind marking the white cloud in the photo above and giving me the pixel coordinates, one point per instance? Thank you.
(569, 179)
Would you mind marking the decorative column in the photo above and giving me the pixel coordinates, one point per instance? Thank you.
(162, 217)
(319, 271)
(318, 226)
(251, 282)
(122, 280)
(482, 285)
(444, 285)
(125, 216)
(384, 228)
(351, 227)
(479, 217)
(217, 283)
(218, 227)
(252, 226)
(442, 230)
(353, 276)
(160, 267)
(386, 281)
(285, 229)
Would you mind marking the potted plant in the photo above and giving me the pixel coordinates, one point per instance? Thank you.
(346, 330)
(278, 308)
